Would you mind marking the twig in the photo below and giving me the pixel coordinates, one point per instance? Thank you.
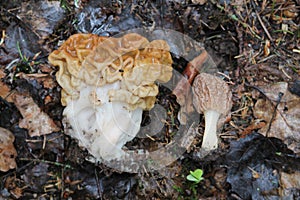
(48, 162)
(267, 58)
(99, 188)
(264, 27)
(280, 95)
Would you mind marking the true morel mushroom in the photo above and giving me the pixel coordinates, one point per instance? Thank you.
(211, 96)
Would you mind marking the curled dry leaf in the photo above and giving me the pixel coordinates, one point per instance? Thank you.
(286, 121)
(5, 90)
(44, 79)
(8, 152)
(34, 119)
(289, 182)
(183, 91)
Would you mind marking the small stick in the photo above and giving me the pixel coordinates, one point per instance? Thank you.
(280, 95)
(262, 24)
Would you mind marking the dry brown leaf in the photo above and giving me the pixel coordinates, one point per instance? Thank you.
(44, 79)
(288, 182)
(8, 152)
(5, 90)
(11, 184)
(183, 89)
(2, 73)
(286, 121)
(41, 17)
(34, 119)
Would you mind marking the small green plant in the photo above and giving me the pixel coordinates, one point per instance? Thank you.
(64, 4)
(25, 65)
(195, 176)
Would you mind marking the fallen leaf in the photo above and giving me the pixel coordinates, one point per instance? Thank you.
(184, 98)
(11, 184)
(2, 73)
(36, 177)
(44, 79)
(288, 183)
(8, 152)
(253, 126)
(183, 90)
(5, 90)
(41, 16)
(34, 119)
(285, 124)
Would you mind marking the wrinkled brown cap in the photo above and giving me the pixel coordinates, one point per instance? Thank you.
(211, 93)
(131, 59)
(69, 58)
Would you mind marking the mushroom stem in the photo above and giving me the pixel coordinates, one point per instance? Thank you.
(210, 139)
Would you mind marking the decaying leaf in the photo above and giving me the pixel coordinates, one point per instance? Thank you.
(285, 123)
(288, 183)
(183, 88)
(34, 119)
(44, 79)
(41, 16)
(5, 90)
(11, 183)
(8, 152)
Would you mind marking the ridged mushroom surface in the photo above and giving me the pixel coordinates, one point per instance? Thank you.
(211, 96)
(106, 84)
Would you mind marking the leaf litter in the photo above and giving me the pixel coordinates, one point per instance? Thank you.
(243, 167)
(8, 152)
(280, 109)
(34, 119)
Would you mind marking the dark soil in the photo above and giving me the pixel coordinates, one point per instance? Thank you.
(247, 44)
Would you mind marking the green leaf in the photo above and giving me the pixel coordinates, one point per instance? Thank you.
(197, 173)
(195, 176)
(192, 178)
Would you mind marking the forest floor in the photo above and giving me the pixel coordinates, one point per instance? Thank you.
(255, 47)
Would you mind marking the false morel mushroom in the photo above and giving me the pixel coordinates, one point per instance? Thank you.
(106, 84)
(211, 96)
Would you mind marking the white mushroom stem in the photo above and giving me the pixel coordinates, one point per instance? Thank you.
(101, 126)
(210, 138)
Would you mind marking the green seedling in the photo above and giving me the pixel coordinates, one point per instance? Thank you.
(195, 176)
(65, 5)
(25, 64)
